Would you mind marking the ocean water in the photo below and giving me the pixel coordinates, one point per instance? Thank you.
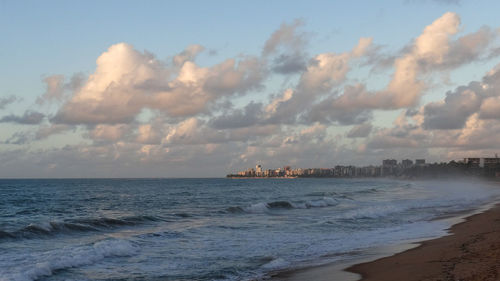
(212, 229)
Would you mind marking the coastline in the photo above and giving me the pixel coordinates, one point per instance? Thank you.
(468, 252)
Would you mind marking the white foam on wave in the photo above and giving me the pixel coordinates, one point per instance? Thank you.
(276, 264)
(256, 208)
(316, 203)
(324, 202)
(36, 265)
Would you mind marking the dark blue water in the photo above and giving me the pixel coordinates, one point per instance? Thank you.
(211, 229)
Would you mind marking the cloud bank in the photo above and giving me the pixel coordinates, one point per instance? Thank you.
(138, 115)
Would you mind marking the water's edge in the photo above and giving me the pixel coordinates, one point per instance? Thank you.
(337, 271)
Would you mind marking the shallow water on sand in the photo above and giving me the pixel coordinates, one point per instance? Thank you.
(211, 229)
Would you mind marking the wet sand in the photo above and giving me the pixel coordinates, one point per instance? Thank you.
(470, 253)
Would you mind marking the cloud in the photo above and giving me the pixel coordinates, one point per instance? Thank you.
(28, 118)
(347, 109)
(431, 46)
(490, 108)
(286, 46)
(44, 132)
(470, 47)
(360, 131)
(147, 135)
(57, 87)
(250, 115)
(19, 138)
(465, 122)
(187, 55)
(324, 72)
(105, 132)
(287, 36)
(454, 111)
(137, 115)
(289, 64)
(432, 50)
(127, 81)
(459, 105)
(7, 100)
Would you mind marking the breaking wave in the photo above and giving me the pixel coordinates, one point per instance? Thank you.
(34, 267)
(38, 230)
(276, 205)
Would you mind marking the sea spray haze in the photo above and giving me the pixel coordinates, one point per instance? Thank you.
(211, 229)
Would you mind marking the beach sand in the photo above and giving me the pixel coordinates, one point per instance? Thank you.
(470, 253)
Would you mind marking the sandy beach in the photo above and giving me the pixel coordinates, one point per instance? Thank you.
(470, 253)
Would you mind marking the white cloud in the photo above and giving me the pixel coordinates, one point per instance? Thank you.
(187, 55)
(127, 81)
(139, 113)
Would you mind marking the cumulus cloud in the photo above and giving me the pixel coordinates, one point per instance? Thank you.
(187, 55)
(287, 36)
(465, 122)
(471, 47)
(289, 64)
(44, 132)
(432, 50)
(324, 72)
(453, 111)
(6, 101)
(360, 131)
(459, 105)
(148, 134)
(136, 110)
(490, 108)
(352, 107)
(19, 138)
(107, 132)
(430, 47)
(28, 118)
(250, 115)
(57, 88)
(127, 81)
(286, 46)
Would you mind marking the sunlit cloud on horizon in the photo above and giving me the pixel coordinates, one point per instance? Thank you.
(139, 114)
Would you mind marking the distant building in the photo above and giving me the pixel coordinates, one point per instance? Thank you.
(407, 163)
(258, 168)
(258, 171)
(420, 162)
(473, 162)
(389, 167)
(486, 167)
(389, 162)
(491, 166)
(490, 161)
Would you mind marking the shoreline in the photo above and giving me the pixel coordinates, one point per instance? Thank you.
(436, 258)
(470, 252)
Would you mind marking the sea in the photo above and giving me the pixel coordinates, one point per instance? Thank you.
(214, 229)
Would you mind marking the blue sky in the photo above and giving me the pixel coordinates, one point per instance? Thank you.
(43, 39)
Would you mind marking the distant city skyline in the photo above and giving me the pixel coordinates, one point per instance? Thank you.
(161, 89)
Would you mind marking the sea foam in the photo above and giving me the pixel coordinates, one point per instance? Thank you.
(34, 266)
(263, 207)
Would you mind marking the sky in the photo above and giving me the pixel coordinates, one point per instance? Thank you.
(206, 88)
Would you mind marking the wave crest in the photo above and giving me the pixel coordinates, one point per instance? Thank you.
(262, 207)
(46, 263)
(37, 230)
